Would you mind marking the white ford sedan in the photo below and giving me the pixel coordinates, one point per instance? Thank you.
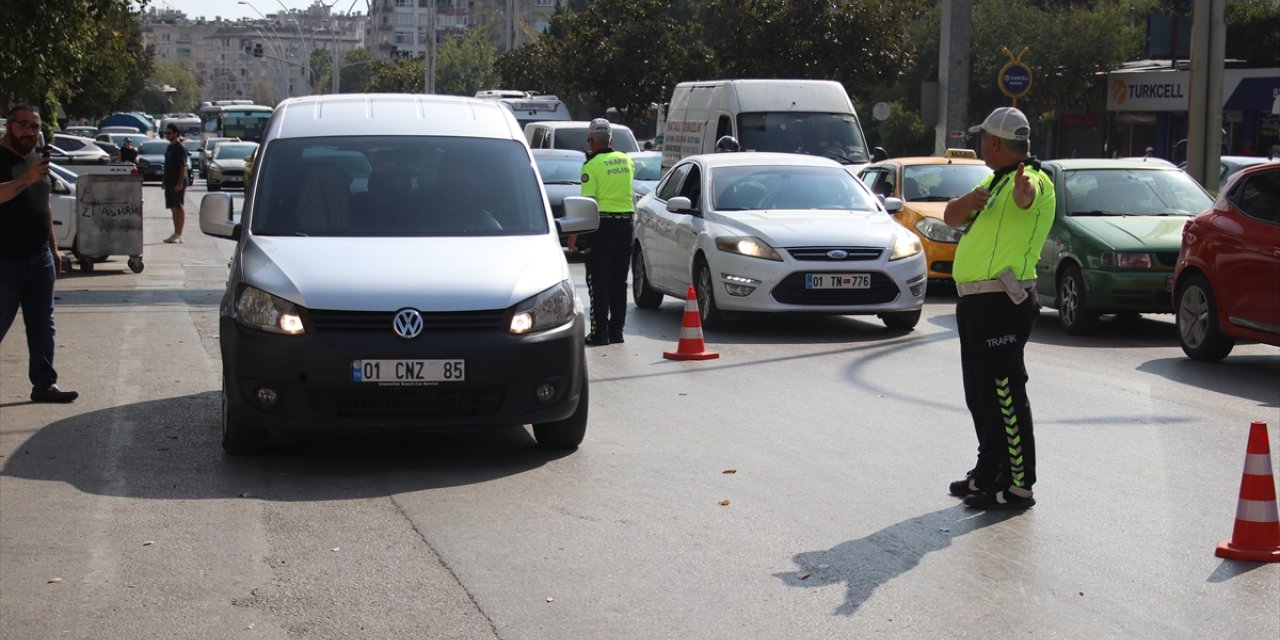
(773, 232)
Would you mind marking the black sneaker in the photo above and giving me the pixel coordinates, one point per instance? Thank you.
(1003, 500)
(970, 485)
(52, 393)
(616, 338)
(593, 341)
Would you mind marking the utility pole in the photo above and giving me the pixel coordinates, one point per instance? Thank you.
(430, 62)
(1204, 113)
(953, 75)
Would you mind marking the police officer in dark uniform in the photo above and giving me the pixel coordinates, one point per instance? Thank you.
(606, 176)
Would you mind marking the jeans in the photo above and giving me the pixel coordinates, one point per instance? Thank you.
(27, 283)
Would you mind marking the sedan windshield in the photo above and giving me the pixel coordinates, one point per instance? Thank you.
(940, 182)
(560, 170)
(1132, 192)
(648, 167)
(233, 150)
(782, 187)
(417, 186)
(154, 148)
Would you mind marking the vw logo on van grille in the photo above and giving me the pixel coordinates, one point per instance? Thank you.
(837, 254)
(407, 323)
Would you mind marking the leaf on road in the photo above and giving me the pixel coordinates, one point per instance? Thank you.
(729, 471)
(148, 543)
(55, 580)
(724, 503)
(803, 575)
(335, 548)
(246, 494)
(550, 599)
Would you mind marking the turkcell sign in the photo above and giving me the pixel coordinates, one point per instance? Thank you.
(1151, 91)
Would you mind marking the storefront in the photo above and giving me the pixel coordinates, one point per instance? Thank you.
(1148, 108)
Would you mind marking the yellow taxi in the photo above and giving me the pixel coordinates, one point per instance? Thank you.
(925, 184)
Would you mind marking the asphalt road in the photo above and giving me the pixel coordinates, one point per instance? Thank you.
(793, 488)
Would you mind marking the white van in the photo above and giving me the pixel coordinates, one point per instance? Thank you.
(790, 116)
(572, 134)
(429, 292)
(537, 108)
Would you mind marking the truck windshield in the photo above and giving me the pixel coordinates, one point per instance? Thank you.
(401, 186)
(832, 135)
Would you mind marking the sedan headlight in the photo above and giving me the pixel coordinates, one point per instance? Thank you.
(547, 310)
(905, 244)
(214, 168)
(747, 246)
(1126, 260)
(937, 230)
(260, 310)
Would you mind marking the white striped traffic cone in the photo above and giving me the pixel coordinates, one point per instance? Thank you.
(691, 346)
(1257, 532)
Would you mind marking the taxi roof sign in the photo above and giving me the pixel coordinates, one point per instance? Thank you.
(961, 153)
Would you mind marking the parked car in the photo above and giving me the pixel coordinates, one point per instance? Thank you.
(112, 150)
(572, 134)
(123, 129)
(118, 138)
(206, 152)
(151, 159)
(1115, 238)
(1228, 277)
(434, 297)
(81, 130)
(1229, 165)
(69, 150)
(192, 145)
(648, 171)
(925, 184)
(561, 171)
(227, 166)
(777, 233)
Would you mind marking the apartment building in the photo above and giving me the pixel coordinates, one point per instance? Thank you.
(399, 28)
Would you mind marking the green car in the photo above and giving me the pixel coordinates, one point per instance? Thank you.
(1115, 238)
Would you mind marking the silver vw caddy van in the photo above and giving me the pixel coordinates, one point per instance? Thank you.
(397, 267)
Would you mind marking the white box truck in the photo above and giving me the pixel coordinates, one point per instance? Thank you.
(790, 116)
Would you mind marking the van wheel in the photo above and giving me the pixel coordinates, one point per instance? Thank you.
(1198, 331)
(646, 297)
(239, 438)
(710, 314)
(567, 433)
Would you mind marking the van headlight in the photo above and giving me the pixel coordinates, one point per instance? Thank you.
(905, 244)
(937, 230)
(747, 246)
(547, 310)
(260, 310)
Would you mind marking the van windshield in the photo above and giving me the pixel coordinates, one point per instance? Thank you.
(397, 186)
(832, 135)
(576, 139)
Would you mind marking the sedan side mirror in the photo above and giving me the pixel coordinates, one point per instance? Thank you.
(679, 204)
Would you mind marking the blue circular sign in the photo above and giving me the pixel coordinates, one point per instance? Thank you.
(1015, 80)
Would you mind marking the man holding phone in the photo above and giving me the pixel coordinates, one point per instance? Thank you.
(29, 260)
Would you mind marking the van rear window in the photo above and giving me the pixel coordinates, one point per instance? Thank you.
(397, 186)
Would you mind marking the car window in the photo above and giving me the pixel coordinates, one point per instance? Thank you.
(229, 150)
(1259, 196)
(418, 186)
(788, 187)
(1094, 192)
(156, 148)
(68, 144)
(648, 167)
(941, 182)
(559, 169)
(691, 187)
(670, 187)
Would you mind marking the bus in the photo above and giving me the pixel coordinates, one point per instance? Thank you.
(234, 119)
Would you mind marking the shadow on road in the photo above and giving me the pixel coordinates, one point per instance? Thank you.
(867, 563)
(170, 450)
(1248, 377)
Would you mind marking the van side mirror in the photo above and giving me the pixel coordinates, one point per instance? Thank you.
(581, 215)
(217, 216)
(679, 204)
(878, 154)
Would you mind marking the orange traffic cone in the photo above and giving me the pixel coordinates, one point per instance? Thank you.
(691, 346)
(1257, 533)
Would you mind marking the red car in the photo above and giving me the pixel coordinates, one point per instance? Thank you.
(1227, 283)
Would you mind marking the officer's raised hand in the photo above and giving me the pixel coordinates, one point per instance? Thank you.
(1024, 190)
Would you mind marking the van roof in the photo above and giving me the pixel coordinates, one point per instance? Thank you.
(818, 96)
(392, 114)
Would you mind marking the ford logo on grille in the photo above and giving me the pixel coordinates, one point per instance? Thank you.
(407, 323)
(837, 254)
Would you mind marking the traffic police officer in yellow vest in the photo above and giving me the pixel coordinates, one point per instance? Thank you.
(606, 176)
(1007, 216)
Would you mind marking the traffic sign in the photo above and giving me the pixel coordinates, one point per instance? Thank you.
(1015, 80)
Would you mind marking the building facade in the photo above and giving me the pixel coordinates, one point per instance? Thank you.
(401, 28)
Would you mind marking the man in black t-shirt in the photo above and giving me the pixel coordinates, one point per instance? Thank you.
(29, 260)
(128, 152)
(175, 180)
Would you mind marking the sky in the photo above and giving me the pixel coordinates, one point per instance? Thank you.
(232, 10)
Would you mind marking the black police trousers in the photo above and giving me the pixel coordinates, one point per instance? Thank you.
(993, 335)
(607, 261)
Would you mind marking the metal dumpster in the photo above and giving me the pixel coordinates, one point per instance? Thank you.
(108, 219)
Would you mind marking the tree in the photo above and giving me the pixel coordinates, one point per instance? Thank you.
(465, 65)
(321, 71)
(154, 99)
(530, 66)
(356, 70)
(399, 75)
(47, 48)
(114, 75)
(1253, 32)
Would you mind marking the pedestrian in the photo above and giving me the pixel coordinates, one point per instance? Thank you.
(29, 259)
(128, 153)
(1007, 216)
(175, 181)
(606, 176)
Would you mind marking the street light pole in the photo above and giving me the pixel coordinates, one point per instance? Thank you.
(278, 45)
(302, 41)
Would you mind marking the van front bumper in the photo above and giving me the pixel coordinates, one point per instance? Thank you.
(305, 382)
